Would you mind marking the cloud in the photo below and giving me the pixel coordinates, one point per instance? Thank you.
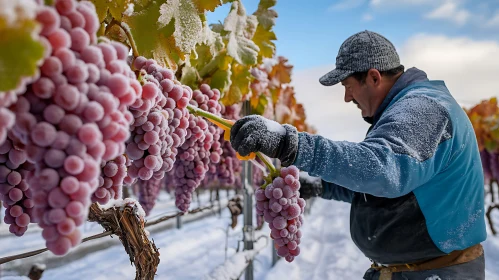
(346, 5)
(385, 3)
(325, 107)
(450, 10)
(367, 17)
(469, 69)
(494, 21)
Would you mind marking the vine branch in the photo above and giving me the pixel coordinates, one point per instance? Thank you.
(128, 34)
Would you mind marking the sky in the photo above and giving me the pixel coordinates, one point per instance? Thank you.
(456, 41)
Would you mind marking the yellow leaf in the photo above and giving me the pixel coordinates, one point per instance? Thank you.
(115, 8)
(153, 41)
(20, 51)
(263, 39)
(206, 5)
(239, 87)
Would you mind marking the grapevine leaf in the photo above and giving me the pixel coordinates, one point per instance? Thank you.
(221, 79)
(206, 5)
(241, 48)
(251, 24)
(239, 87)
(115, 8)
(265, 4)
(221, 68)
(263, 39)
(189, 76)
(20, 52)
(152, 40)
(281, 72)
(258, 104)
(188, 24)
(264, 36)
(266, 17)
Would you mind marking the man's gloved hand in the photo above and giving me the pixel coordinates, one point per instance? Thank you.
(257, 134)
(310, 186)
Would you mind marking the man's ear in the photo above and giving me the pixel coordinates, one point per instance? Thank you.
(374, 77)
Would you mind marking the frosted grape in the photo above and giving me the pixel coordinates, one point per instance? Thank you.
(282, 209)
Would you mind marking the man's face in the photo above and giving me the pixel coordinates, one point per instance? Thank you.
(360, 94)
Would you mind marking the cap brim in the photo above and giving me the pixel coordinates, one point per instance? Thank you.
(335, 76)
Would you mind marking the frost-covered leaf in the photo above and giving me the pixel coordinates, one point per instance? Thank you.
(20, 51)
(241, 48)
(188, 24)
(266, 17)
(264, 36)
(152, 40)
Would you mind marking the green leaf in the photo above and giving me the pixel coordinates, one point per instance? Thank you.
(220, 80)
(265, 4)
(115, 8)
(239, 87)
(259, 104)
(189, 76)
(20, 52)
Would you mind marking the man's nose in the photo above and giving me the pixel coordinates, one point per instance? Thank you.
(348, 97)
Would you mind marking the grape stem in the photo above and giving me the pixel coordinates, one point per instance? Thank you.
(226, 125)
(128, 33)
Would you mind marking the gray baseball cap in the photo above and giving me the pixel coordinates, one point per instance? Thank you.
(359, 53)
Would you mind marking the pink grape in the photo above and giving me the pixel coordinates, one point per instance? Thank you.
(284, 216)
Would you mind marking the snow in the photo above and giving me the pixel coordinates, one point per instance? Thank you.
(234, 267)
(129, 9)
(122, 203)
(197, 251)
(188, 24)
(275, 127)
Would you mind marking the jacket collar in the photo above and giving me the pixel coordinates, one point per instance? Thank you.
(411, 76)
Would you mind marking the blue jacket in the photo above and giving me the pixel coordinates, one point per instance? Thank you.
(415, 183)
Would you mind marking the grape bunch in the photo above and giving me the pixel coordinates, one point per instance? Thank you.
(14, 190)
(160, 122)
(200, 148)
(72, 118)
(148, 193)
(7, 119)
(281, 207)
(113, 173)
(227, 171)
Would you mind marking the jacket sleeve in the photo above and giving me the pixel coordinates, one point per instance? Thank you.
(336, 192)
(405, 149)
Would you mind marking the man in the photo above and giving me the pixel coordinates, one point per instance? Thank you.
(415, 183)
